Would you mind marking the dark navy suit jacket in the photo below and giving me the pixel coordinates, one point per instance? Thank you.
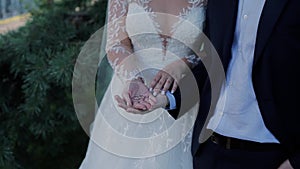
(276, 67)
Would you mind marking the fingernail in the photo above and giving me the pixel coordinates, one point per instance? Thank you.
(154, 94)
(151, 89)
(163, 92)
(172, 91)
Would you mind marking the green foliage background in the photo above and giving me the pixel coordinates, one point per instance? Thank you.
(38, 125)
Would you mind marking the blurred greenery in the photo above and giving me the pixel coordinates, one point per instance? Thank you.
(38, 125)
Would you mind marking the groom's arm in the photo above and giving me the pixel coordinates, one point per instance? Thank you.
(174, 103)
(295, 159)
(200, 75)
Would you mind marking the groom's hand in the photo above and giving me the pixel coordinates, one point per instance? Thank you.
(135, 97)
(286, 165)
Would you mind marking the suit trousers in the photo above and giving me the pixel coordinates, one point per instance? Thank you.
(213, 156)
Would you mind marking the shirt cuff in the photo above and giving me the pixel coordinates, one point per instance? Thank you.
(172, 101)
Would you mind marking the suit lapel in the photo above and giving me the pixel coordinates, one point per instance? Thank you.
(270, 15)
(222, 17)
(230, 29)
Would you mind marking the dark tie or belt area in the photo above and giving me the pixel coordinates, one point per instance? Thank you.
(233, 143)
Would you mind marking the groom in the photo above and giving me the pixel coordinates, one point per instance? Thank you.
(255, 120)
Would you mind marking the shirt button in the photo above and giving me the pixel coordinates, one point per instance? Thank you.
(245, 16)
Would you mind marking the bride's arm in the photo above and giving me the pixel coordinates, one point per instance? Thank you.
(121, 55)
(118, 46)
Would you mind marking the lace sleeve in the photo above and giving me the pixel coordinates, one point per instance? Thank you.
(119, 45)
(195, 58)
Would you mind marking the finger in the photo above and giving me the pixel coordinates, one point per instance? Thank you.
(155, 80)
(147, 104)
(121, 102)
(127, 98)
(159, 85)
(139, 106)
(167, 85)
(119, 99)
(175, 85)
(133, 110)
(152, 103)
(152, 99)
(123, 106)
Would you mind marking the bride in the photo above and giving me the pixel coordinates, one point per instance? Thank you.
(151, 44)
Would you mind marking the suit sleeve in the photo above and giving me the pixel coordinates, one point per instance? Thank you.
(200, 75)
(295, 160)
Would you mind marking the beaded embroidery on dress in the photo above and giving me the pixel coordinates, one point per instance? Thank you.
(134, 29)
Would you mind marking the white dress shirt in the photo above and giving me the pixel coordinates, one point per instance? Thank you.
(237, 113)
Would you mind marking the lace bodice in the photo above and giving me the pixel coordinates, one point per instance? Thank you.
(141, 29)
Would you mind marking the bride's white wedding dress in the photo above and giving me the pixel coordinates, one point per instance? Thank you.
(120, 140)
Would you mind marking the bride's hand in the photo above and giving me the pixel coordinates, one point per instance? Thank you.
(129, 108)
(135, 93)
(169, 76)
(160, 101)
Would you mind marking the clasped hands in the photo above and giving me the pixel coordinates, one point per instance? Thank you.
(137, 98)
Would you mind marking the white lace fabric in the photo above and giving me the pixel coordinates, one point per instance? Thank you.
(127, 32)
